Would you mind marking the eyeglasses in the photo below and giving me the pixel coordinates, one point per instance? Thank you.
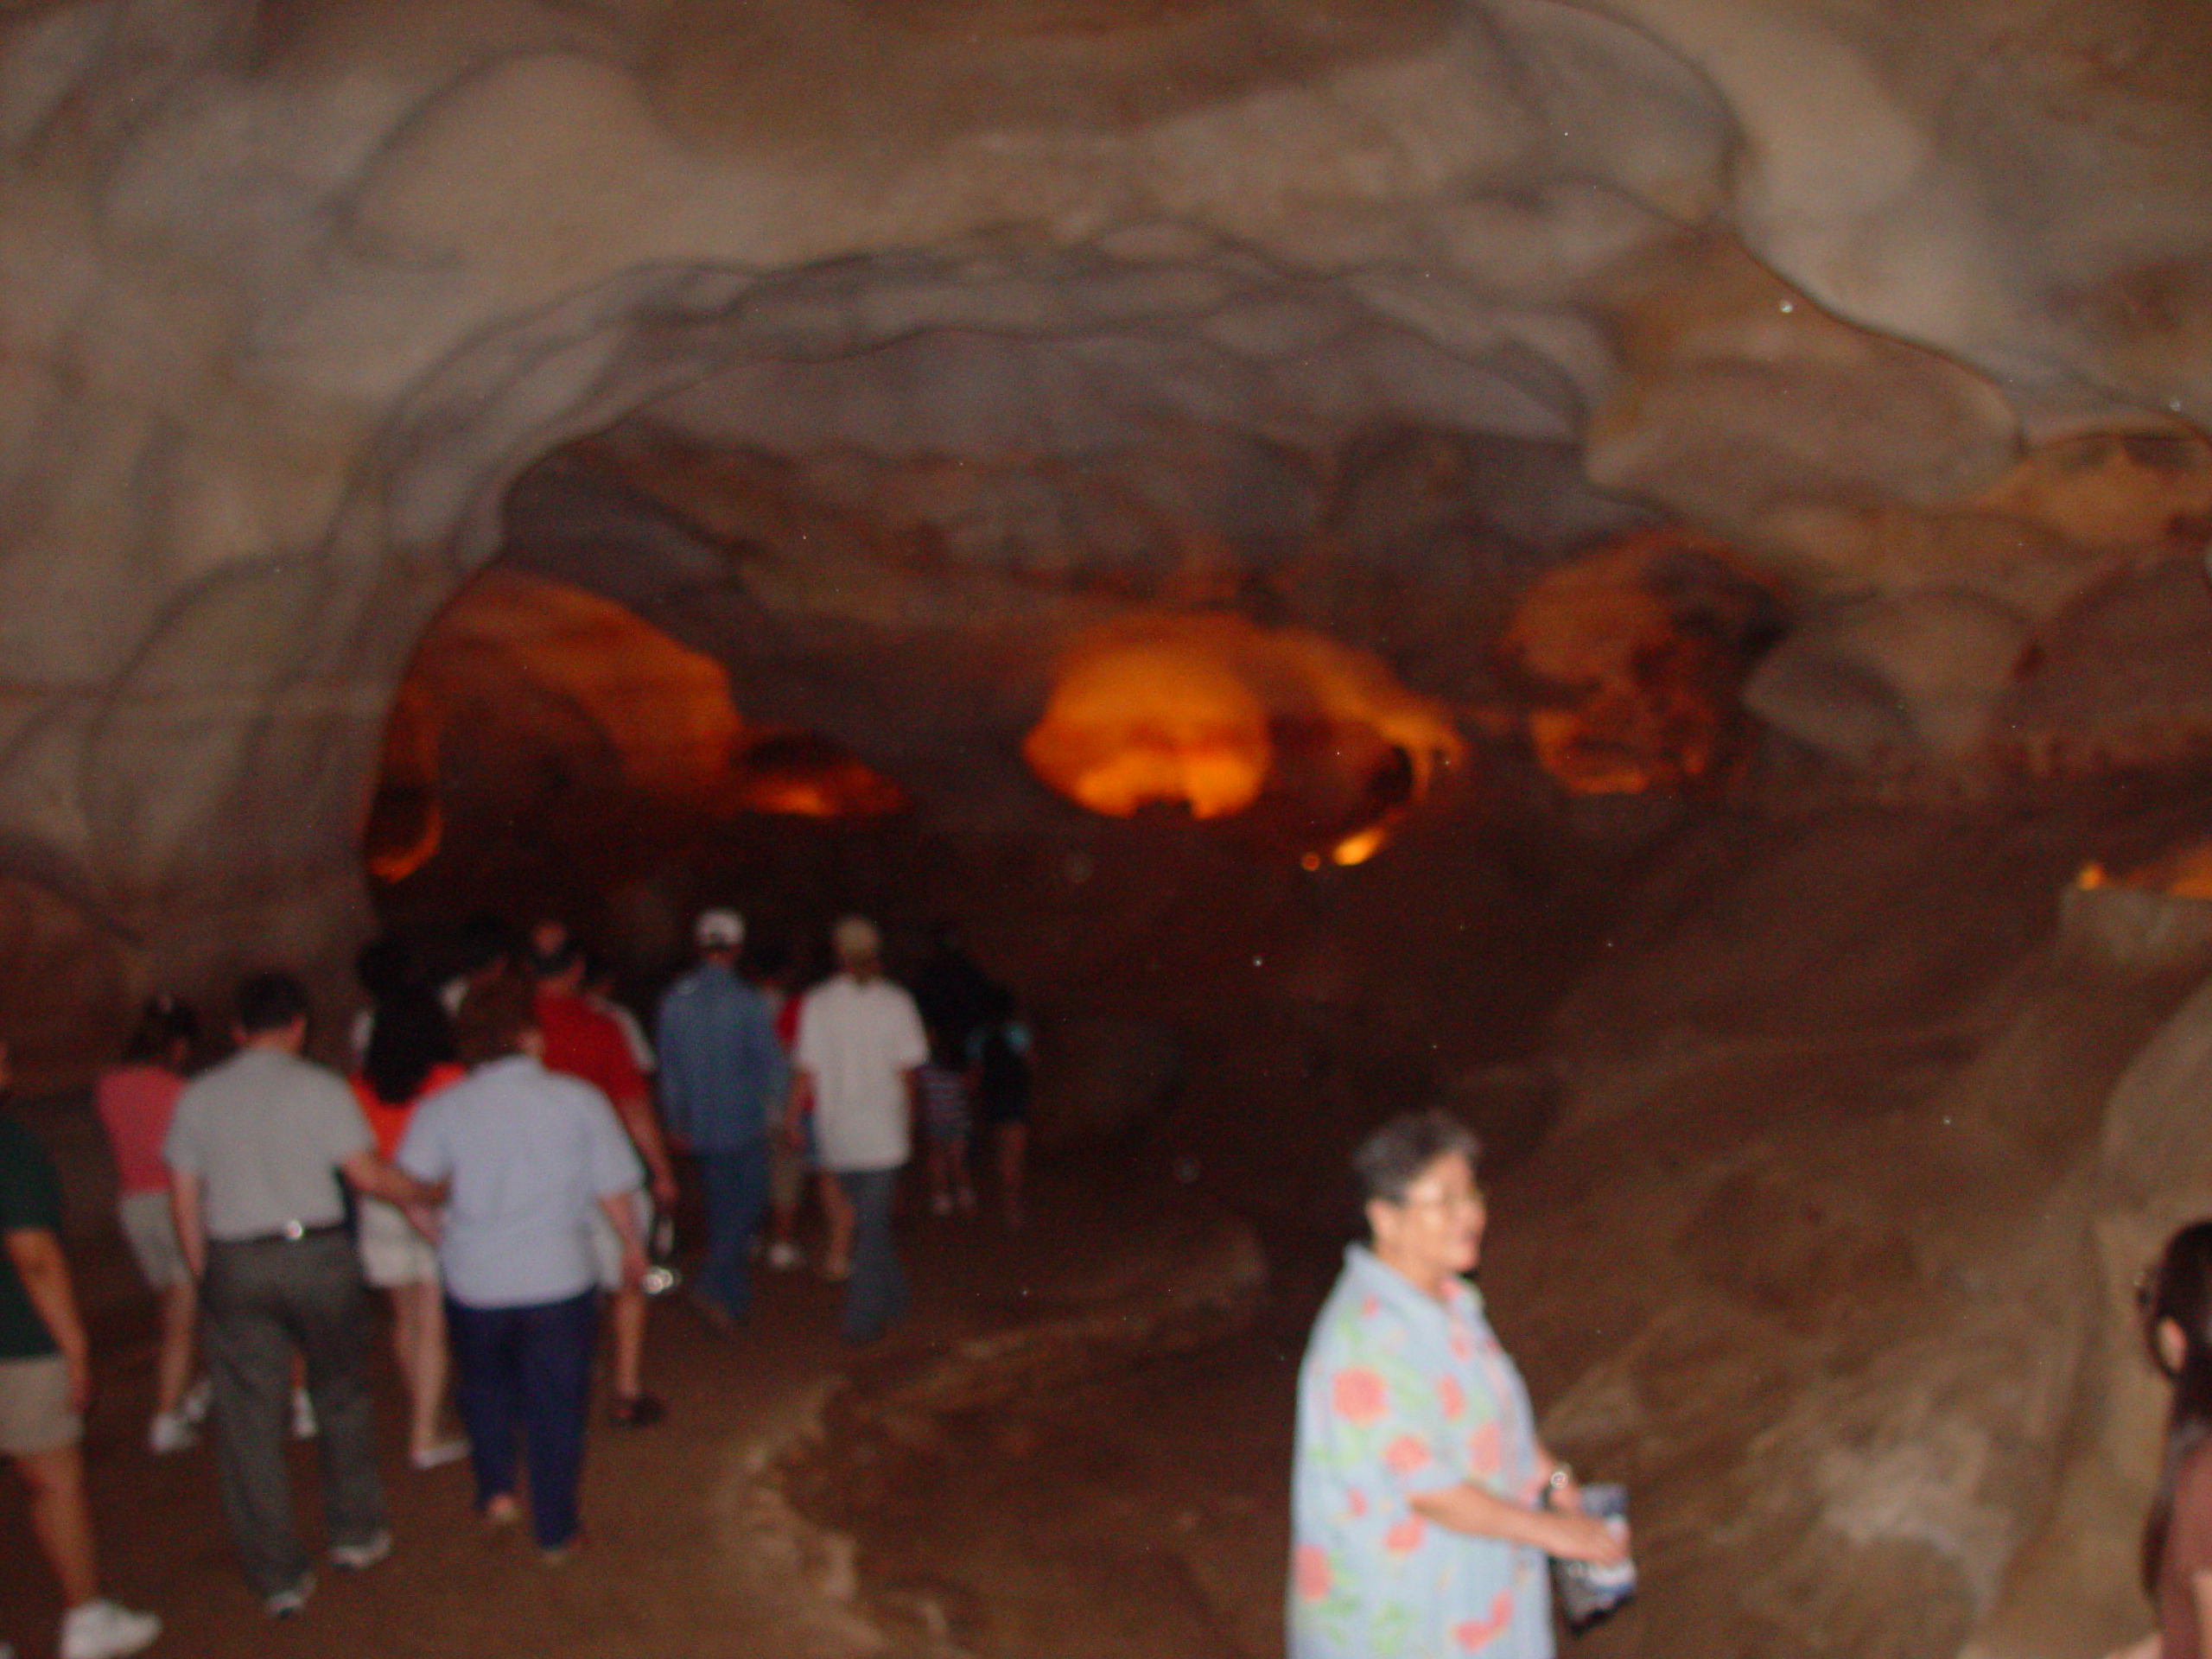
(1471, 1199)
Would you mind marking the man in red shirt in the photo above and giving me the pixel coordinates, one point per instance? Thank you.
(585, 1043)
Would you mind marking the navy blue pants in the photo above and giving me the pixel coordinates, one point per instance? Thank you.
(736, 1185)
(876, 1294)
(526, 1372)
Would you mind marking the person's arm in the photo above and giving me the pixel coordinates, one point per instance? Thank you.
(636, 1111)
(674, 1101)
(622, 1215)
(2148, 1648)
(1469, 1509)
(187, 1210)
(767, 1061)
(1565, 1491)
(367, 1172)
(796, 1104)
(37, 1253)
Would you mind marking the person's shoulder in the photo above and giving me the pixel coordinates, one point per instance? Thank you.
(326, 1084)
(566, 1092)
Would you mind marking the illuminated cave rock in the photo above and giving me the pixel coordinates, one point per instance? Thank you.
(292, 294)
(1208, 712)
(1633, 656)
(535, 714)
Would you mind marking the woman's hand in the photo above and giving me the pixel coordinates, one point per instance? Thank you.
(1578, 1537)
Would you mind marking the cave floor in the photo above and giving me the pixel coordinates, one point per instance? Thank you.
(685, 1554)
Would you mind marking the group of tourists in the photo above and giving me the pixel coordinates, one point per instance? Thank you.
(495, 1165)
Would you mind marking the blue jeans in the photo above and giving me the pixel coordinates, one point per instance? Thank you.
(876, 1294)
(527, 1367)
(737, 1191)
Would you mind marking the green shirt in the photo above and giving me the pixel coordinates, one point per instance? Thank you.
(30, 1197)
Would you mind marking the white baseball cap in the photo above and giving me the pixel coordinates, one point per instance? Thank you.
(718, 930)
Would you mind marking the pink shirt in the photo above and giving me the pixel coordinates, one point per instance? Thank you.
(135, 1104)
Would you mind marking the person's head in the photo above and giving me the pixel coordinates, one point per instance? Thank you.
(498, 1018)
(270, 1010)
(165, 1033)
(559, 964)
(411, 1037)
(385, 964)
(857, 946)
(718, 933)
(486, 945)
(2175, 1301)
(1425, 1213)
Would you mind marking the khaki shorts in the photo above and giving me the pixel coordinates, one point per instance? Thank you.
(607, 1243)
(150, 1230)
(392, 1252)
(35, 1415)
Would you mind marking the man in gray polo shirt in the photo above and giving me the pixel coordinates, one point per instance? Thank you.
(254, 1152)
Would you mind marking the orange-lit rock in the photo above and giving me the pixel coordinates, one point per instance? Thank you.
(534, 710)
(1634, 655)
(1209, 711)
(2182, 873)
(405, 822)
(800, 776)
(1156, 712)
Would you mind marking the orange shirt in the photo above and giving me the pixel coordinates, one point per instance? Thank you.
(388, 1123)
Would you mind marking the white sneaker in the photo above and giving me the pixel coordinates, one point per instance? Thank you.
(303, 1423)
(292, 1601)
(359, 1558)
(100, 1629)
(169, 1433)
(197, 1399)
(783, 1255)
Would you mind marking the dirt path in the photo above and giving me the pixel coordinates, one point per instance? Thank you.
(686, 1555)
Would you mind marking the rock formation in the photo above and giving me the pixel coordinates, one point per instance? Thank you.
(991, 320)
(876, 355)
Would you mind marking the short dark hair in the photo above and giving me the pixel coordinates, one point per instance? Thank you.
(163, 1024)
(1392, 1157)
(269, 1002)
(551, 964)
(492, 1018)
(408, 1039)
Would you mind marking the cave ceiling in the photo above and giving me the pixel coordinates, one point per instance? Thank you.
(879, 352)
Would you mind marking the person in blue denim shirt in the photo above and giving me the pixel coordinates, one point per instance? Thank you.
(722, 1078)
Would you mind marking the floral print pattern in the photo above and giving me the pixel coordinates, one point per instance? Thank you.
(1400, 1394)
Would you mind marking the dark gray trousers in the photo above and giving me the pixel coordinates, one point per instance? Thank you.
(260, 1302)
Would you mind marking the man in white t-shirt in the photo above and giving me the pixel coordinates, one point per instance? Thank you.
(860, 1044)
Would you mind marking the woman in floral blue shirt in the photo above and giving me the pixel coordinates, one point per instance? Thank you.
(1423, 1504)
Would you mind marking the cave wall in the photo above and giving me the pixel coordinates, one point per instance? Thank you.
(291, 295)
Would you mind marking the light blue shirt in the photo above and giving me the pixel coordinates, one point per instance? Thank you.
(529, 1153)
(722, 1072)
(1400, 1394)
